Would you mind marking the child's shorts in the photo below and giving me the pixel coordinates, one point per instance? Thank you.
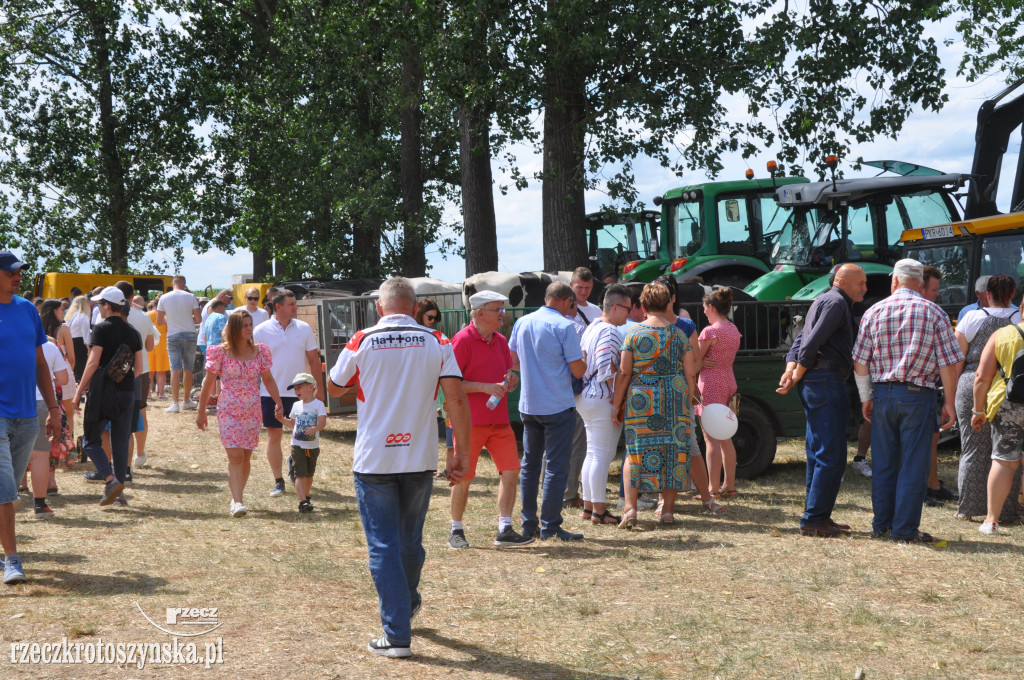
(304, 460)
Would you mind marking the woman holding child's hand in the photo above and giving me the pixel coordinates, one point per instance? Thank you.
(239, 363)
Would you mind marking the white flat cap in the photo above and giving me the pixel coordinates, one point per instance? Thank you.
(478, 300)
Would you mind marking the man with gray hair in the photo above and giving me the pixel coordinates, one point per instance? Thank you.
(486, 365)
(396, 367)
(981, 292)
(546, 350)
(905, 343)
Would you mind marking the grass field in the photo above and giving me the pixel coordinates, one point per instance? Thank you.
(744, 596)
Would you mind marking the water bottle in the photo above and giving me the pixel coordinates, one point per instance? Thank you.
(493, 402)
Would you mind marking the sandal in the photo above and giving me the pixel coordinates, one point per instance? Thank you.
(728, 493)
(628, 521)
(668, 518)
(587, 514)
(603, 517)
(714, 507)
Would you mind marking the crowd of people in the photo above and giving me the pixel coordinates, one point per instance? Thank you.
(632, 368)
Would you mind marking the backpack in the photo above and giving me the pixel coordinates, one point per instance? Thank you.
(121, 364)
(1015, 383)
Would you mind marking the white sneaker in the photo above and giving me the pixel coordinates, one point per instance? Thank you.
(173, 408)
(238, 510)
(140, 461)
(989, 528)
(189, 405)
(862, 466)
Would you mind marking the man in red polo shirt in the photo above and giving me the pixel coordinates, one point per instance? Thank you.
(486, 364)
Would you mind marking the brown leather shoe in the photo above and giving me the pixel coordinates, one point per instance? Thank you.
(825, 530)
(845, 528)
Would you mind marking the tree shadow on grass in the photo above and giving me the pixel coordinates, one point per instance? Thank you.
(491, 661)
(347, 437)
(117, 583)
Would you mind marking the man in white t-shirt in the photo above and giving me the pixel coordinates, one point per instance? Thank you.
(292, 345)
(252, 305)
(396, 367)
(179, 310)
(582, 284)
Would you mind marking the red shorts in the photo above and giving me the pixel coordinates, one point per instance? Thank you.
(500, 442)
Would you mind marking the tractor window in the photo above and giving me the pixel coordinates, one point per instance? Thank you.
(954, 263)
(773, 219)
(918, 210)
(862, 235)
(687, 221)
(734, 236)
(1003, 255)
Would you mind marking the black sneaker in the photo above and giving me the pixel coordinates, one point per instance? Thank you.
(121, 501)
(457, 539)
(942, 493)
(562, 535)
(43, 511)
(93, 476)
(128, 476)
(510, 538)
(933, 502)
(305, 506)
(381, 647)
(111, 491)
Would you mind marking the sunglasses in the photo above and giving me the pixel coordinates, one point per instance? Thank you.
(430, 317)
(254, 299)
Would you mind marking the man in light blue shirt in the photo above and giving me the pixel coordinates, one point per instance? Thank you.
(980, 290)
(546, 350)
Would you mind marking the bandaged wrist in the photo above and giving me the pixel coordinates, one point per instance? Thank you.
(864, 387)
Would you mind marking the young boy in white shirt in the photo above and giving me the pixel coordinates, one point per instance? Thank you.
(307, 417)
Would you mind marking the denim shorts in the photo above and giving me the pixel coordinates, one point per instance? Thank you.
(42, 443)
(17, 435)
(181, 350)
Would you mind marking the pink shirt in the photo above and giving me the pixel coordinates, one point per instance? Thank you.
(482, 361)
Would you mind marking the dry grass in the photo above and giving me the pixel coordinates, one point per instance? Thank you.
(741, 597)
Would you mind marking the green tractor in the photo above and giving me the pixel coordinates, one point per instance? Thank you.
(720, 231)
(615, 239)
(852, 220)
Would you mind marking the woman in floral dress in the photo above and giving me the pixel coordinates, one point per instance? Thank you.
(654, 383)
(239, 362)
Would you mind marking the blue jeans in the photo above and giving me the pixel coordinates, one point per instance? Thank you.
(823, 394)
(17, 435)
(120, 433)
(546, 439)
(901, 444)
(181, 351)
(393, 509)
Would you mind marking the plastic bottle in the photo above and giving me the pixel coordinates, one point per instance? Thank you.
(493, 402)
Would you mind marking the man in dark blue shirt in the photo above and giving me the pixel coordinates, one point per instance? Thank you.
(819, 363)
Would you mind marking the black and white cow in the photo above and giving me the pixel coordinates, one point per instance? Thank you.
(525, 289)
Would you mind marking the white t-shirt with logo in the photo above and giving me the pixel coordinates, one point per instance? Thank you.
(397, 365)
(54, 362)
(306, 415)
(177, 306)
(288, 347)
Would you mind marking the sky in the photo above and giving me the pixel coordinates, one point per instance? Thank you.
(943, 140)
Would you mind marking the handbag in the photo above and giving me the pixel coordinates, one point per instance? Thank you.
(120, 364)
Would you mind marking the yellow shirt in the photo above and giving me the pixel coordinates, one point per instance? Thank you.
(1008, 343)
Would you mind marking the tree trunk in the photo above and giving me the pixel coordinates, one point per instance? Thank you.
(262, 266)
(414, 256)
(564, 213)
(112, 168)
(479, 229)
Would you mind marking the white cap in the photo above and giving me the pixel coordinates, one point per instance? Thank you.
(908, 267)
(111, 294)
(478, 300)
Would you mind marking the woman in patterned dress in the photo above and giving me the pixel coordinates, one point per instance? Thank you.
(973, 332)
(238, 362)
(654, 383)
(720, 340)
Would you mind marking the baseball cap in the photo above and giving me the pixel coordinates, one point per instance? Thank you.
(9, 263)
(478, 300)
(909, 267)
(111, 294)
(302, 378)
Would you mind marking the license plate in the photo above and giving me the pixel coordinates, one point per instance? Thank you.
(938, 232)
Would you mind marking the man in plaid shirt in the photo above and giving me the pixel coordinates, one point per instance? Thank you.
(904, 344)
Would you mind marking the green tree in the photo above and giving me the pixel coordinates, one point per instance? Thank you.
(96, 139)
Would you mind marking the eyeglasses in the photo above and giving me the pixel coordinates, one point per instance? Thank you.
(616, 304)
(253, 299)
(430, 317)
(499, 310)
